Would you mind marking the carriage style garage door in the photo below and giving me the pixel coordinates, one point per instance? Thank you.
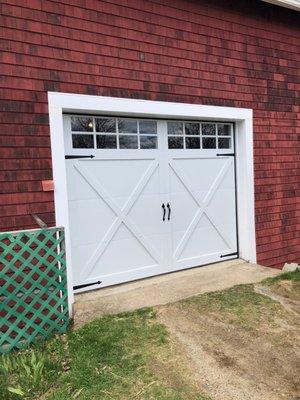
(148, 196)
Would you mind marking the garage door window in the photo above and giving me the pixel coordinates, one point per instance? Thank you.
(129, 133)
(113, 133)
(82, 124)
(84, 139)
(199, 135)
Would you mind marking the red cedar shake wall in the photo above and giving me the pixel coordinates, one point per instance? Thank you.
(226, 53)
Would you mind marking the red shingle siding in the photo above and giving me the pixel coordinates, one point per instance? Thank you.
(243, 54)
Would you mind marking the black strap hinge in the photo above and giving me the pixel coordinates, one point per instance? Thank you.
(225, 154)
(86, 285)
(73, 157)
(228, 255)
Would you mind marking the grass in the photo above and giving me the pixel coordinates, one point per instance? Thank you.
(25, 374)
(238, 305)
(287, 276)
(111, 358)
(127, 356)
(286, 285)
(241, 304)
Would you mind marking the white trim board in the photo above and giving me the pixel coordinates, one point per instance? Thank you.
(292, 4)
(60, 103)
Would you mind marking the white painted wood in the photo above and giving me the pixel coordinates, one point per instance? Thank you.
(60, 188)
(195, 221)
(292, 4)
(117, 230)
(86, 104)
(115, 214)
(65, 102)
(132, 230)
(245, 190)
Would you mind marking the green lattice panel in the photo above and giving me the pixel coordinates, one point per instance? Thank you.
(33, 286)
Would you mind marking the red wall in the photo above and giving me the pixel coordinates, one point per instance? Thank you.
(224, 53)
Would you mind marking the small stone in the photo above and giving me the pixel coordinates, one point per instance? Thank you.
(290, 267)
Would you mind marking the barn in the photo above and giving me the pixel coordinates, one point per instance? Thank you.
(161, 135)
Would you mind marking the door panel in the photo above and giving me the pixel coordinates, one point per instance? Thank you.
(115, 216)
(202, 196)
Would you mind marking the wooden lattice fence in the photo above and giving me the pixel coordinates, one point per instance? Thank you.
(33, 286)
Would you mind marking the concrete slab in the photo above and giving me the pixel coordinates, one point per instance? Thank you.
(166, 289)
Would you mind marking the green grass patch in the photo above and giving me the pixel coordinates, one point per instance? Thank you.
(239, 304)
(287, 276)
(111, 358)
(26, 374)
(127, 356)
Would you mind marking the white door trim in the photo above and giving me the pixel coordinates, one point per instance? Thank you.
(65, 102)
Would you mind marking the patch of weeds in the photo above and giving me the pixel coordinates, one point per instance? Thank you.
(239, 304)
(28, 373)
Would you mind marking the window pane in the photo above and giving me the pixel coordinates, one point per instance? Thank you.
(192, 143)
(224, 130)
(84, 124)
(208, 143)
(105, 125)
(128, 142)
(106, 141)
(82, 141)
(127, 126)
(208, 129)
(175, 128)
(192, 128)
(175, 142)
(148, 142)
(224, 143)
(148, 127)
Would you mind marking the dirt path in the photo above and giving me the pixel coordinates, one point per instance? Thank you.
(165, 289)
(231, 362)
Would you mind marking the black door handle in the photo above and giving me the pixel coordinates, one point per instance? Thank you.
(169, 208)
(164, 211)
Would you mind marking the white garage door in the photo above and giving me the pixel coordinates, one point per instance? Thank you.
(148, 197)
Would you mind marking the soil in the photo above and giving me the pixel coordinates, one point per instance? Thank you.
(229, 361)
(283, 294)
